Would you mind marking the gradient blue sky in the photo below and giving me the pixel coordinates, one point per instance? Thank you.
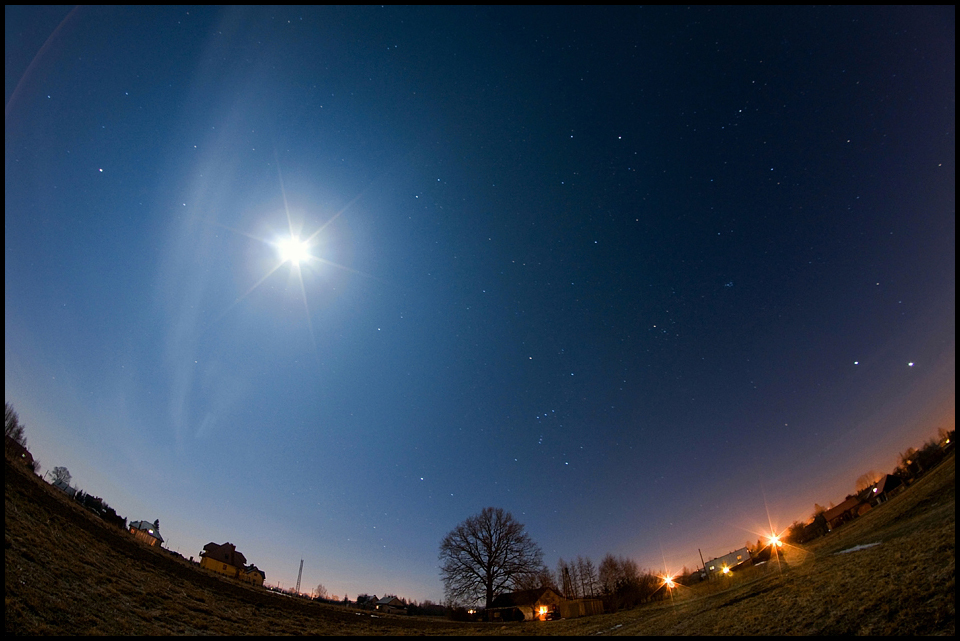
(649, 279)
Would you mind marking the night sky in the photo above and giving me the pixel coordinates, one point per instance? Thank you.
(652, 280)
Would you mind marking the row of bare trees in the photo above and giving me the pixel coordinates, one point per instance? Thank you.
(491, 553)
(578, 579)
(618, 580)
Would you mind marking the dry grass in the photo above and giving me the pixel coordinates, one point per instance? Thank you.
(68, 573)
(905, 586)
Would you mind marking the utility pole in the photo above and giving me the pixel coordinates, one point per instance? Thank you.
(299, 574)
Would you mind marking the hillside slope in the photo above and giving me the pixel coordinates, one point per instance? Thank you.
(66, 572)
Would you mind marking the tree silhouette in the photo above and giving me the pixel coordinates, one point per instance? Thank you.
(12, 426)
(588, 576)
(486, 554)
(61, 474)
(867, 480)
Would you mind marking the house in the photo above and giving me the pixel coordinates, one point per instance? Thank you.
(367, 601)
(65, 487)
(147, 532)
(727, 563)
(223, 559)
(391, 604)
(842, 513)
(526, 605)
(886, 487)
(253, 575)
(18, 451)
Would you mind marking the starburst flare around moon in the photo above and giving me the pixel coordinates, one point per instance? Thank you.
(293, 249)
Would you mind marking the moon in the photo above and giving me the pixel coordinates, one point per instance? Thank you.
(294, 250)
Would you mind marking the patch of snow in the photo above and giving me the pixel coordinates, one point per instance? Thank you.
(857, 548)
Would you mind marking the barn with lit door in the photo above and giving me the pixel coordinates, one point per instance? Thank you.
(526, 605)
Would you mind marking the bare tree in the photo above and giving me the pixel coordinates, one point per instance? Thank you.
(532, 580)
(588, 576)
(486, 554)
(575, 586)
(321, 592)
(909, 465)
(12, 426)
(866, 480)
(609, 574)
(563, 578)
(61, 474)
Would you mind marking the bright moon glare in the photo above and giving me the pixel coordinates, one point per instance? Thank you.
(293, 250)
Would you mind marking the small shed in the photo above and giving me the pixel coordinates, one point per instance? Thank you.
(574, 608)
(147, 532)
(526, 605)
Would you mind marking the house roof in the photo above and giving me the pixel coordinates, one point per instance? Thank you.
(834, 512)
(148, 527)
(390, 600)
(18, 450)
(65, 487)
(521, 597)
(226, 553)
(730, 558)
(887, 483)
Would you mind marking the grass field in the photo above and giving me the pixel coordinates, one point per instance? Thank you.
(68, 573)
